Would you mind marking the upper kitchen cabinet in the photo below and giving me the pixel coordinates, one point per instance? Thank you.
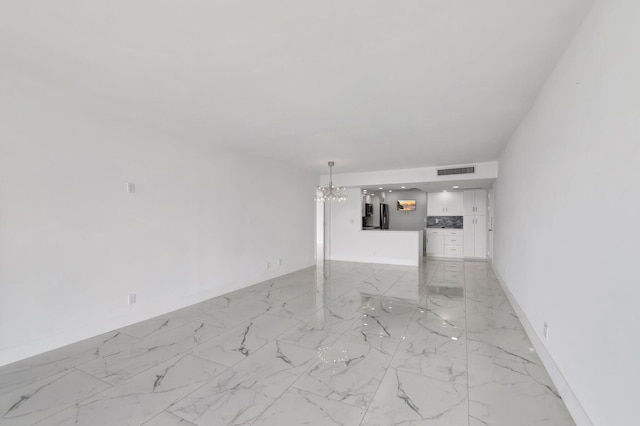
(445, 204)
(475, 202)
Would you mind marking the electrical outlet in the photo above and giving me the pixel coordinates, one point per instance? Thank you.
(545, 330)
(131, 187)
(268, 266)
(131, 299)
(279, 262)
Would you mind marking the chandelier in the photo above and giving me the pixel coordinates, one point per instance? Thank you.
(330, 192)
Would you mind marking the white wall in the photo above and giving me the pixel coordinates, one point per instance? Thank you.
(73, 243)
(401, 220)
(567, 209)
(350, 243)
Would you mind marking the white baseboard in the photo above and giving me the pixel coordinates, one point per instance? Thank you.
(570, 400)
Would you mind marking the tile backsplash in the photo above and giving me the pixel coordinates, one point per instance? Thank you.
(450, 222)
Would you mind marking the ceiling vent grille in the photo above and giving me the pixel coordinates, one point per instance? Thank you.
(456, 171)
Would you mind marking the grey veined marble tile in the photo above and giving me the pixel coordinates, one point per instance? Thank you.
(240, 395)
(40, 399)
(142, 397)
(140, 356)
(443, 367)
(513, 392)
(342, 344)
(388, 317)
(297, 407)
(240, 342)
(167, 419)
(431, 338)
(320, 328)
(25, 372)
(408, 398)
(349, 370)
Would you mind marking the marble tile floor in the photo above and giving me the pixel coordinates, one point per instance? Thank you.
(339, 344)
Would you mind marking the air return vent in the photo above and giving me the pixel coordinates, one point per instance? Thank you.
(456, 171)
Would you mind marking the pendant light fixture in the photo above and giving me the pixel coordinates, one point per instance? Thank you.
(330, 192)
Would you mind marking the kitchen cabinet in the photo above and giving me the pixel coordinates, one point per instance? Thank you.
(445, 242)
(445, 204)
(435, 242)
(475, 202)
(454, 243)
(475, 236)
(475, 223)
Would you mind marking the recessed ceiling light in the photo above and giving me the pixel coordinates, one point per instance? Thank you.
(390, 191)
(444, 190)
(455, 187)
(381, 188)
(403, 187)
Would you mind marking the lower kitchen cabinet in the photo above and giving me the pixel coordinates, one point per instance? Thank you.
(435, 242)
(445, 242)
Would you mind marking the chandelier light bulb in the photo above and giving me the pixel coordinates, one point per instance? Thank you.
(330, 192)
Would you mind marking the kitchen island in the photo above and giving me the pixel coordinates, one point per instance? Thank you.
(379, 246)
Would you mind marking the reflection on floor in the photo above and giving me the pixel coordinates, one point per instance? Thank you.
(346, 343)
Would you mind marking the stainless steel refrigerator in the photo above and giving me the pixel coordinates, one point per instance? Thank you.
(384, 216)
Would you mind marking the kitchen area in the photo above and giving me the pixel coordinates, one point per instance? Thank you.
(454, 223)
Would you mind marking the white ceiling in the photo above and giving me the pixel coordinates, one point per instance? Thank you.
(371, 84)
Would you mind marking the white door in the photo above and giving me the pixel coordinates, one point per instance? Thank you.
(455, 204)
(480, 235)
(435, 245)
(469, 236)
(469, 202)
(481, 202)
(436, 204)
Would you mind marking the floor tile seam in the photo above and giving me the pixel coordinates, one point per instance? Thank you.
(387, 369)
(436, 379)
(273, 339)
(500, 358)
(225, 371)
(389, 289)
(373, 398)
(155, 364)
(204, 340)
(508, 358)
(227, 367)
(140, 339)
(282, 299)
(96, 396)
(466, 349)
(66, 407)
(353, 321)
(193, 321)
(95, 377)
(61, 373)
(75, 365)
(169, 413)
(350, 404)
(292, 385)
(24, 385)
(176, 401)
(155, 332)
(76, 403)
